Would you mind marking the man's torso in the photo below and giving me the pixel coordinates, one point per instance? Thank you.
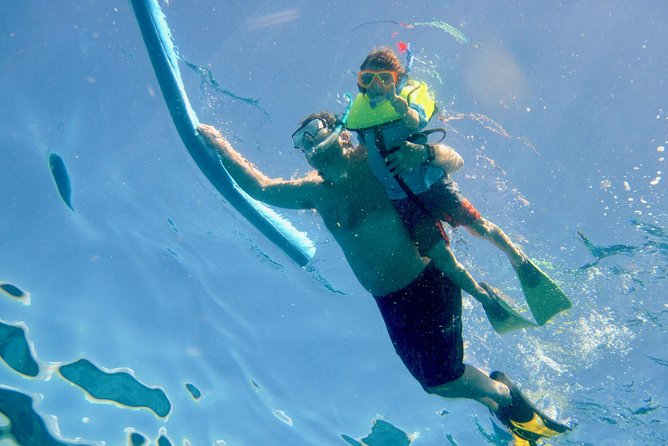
(367, 227)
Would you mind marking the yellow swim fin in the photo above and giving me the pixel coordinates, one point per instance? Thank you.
(517, 441)
(523, 419)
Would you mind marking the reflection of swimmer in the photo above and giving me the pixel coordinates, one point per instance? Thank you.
(421, 307)
(389, 115)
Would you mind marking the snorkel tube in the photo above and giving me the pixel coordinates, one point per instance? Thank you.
(340, 125)
(408, 67)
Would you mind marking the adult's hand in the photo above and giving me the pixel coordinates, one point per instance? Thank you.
(406, 157)
(209, 133)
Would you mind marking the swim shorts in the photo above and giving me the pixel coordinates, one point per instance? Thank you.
(442, 202)
(424, 321)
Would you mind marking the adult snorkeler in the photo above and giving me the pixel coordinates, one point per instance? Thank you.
(420, 305)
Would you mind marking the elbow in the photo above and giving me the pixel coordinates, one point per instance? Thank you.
(459, 163)
(450, 160)
(265, 190)
(456, 160)
(258, 191)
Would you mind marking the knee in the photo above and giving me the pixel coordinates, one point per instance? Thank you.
(445, 390)
(435, 390)
(452, 388)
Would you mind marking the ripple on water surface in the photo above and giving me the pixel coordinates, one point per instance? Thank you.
(15, 350)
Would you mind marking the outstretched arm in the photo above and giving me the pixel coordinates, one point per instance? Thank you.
(291, 194)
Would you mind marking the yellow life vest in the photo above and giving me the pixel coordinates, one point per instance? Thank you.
(363, 116)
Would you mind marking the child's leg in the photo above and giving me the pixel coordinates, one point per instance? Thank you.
(450, 205)
(489, 231)
(446, 261)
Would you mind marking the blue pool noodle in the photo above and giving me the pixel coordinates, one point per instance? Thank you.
(157, 37)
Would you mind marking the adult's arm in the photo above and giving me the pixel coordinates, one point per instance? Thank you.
(446, 158)
(290, 194)
(411, 155)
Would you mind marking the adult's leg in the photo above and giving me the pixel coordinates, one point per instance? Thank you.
(475, 385)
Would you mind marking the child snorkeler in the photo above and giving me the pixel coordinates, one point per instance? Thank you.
(389, 116)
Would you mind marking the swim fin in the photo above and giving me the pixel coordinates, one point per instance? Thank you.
(523, 419)
(544, 297)
(500, 315)
(518, 441)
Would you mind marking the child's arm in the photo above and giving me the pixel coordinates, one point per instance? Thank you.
(410, 116)
(414, 116)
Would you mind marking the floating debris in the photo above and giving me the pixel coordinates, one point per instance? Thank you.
(62, 178)
(382, 434)
(659, 361)
(117, 387)
(15, 350)
(163, 440)
(272, 19)
(281, 415)
(454, 32)
(15, 292)
(172, 225)
(137, 439)
(376, 22)
(207, 78)
(601, 252)
(194, 391)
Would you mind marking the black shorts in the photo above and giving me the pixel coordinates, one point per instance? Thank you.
(442, 202)
(424, 321)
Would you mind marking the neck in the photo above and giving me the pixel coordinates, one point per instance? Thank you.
(337, 170)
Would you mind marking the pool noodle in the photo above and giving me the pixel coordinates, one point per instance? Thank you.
(157, 37)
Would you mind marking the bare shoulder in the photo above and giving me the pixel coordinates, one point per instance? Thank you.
(309, 189)
(312, 181)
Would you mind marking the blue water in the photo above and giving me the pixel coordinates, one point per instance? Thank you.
(559, 110)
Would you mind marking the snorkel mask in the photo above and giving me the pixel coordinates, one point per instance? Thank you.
(315, 126)
(310, 129)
